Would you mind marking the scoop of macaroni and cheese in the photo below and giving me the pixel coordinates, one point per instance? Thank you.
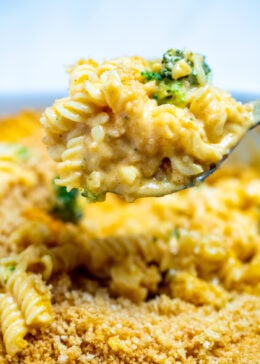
(141, 128)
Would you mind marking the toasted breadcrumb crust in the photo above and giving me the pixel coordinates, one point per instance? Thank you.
(92, 327)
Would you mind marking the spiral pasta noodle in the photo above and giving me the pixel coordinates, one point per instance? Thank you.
(219, 112)
(134, 279)
(42, 260)
(72, 159)
(105, 252)
(32, 296)
(65, 113)
(66, 258)
(13, 325)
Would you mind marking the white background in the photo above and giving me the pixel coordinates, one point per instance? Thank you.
(38, 39)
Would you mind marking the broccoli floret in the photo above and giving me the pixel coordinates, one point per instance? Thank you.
(149, 76)
(171, 93)
(65, 206)
(172, 56)
(180, 70)
(168, 61)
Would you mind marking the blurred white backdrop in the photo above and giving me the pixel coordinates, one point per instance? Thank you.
(39, 39)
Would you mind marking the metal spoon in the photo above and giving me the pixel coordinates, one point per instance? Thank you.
(158, 189)
(204, 175)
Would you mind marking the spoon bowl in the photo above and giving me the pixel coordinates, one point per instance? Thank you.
(158, 189)
(199, 179)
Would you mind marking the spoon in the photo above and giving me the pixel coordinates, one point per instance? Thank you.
(160, 189)
(206, 174)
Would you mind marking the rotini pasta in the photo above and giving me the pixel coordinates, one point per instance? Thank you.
(134, 279)
(141, 128)
(25, 304)
(12, 324)
(106, 252)
(32, 296)
(72, 159)
(66, 258)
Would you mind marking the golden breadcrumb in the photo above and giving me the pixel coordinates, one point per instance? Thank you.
(92, 327)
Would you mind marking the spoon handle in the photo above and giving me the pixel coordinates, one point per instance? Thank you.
(256, 106)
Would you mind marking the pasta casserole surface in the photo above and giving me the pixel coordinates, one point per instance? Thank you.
(174, 279)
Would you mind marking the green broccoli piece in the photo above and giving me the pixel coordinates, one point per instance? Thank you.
(172, 56)
(171, 93)
(171, 90)
(65, 206)
(149, 76)
(169, 59)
